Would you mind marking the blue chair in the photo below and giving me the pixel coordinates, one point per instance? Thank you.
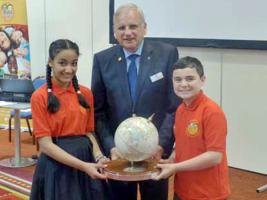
(26, 114)
(38, 82)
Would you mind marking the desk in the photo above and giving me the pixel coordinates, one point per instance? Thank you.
(17, 160)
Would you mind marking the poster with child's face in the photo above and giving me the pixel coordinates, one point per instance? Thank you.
(15, 59)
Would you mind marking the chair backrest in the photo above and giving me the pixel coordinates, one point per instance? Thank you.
(38, 82)
(18, 90)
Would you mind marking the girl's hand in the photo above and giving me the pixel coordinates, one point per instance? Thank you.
(103, 160)
(115, 154)
(93, 170)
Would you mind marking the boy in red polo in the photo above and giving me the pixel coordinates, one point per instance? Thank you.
(199, 159)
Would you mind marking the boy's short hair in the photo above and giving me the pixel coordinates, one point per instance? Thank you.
(189, 62)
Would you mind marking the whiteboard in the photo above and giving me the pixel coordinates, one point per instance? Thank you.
(207, 23)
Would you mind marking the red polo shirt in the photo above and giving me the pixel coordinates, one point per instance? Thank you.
(71, 119)
(199, 128)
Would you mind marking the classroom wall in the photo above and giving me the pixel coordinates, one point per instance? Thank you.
(236, 79)
(49, 20)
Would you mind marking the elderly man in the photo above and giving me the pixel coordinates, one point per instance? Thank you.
(134, 77)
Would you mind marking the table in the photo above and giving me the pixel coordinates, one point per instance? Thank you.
(17, 160)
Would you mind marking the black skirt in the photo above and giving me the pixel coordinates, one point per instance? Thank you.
(55, 181)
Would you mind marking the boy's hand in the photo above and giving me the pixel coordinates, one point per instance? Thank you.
(167, 170)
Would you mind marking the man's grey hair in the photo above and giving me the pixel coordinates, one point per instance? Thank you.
(128, 6)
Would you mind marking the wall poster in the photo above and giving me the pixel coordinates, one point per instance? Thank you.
(15, 61)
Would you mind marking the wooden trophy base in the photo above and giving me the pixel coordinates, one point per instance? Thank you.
(124, 170)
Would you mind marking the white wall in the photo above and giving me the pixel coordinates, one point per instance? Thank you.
(244, 98)
(37, 36)
(50, 20)
(100, 25)
(236, 79)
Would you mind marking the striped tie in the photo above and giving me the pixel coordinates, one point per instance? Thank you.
(132, 76)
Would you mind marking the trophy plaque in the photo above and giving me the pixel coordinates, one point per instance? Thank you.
(125, 170)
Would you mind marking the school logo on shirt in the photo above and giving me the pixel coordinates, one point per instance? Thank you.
(82, 109)
(193, 128)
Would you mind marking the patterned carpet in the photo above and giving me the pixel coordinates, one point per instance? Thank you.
(15, 183)
(8, 194)
(13, 187)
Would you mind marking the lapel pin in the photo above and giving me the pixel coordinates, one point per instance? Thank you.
(119, 59)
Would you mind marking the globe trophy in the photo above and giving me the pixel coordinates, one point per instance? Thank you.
(136, 139)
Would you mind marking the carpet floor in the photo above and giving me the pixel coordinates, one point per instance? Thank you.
(8, 194)
(15, 183)
(243, 183)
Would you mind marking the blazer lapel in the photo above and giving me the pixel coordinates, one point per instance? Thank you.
(144, 67)
(121, 65)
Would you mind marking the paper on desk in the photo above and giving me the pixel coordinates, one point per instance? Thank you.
(6, 103)
(26, 110)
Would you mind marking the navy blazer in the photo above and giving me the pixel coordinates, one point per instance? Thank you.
(112, 100)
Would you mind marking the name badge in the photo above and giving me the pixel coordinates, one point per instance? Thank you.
(156, 77)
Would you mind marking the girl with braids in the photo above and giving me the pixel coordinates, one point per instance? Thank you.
(63, 121)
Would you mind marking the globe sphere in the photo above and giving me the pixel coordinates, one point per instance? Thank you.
(136, 138)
